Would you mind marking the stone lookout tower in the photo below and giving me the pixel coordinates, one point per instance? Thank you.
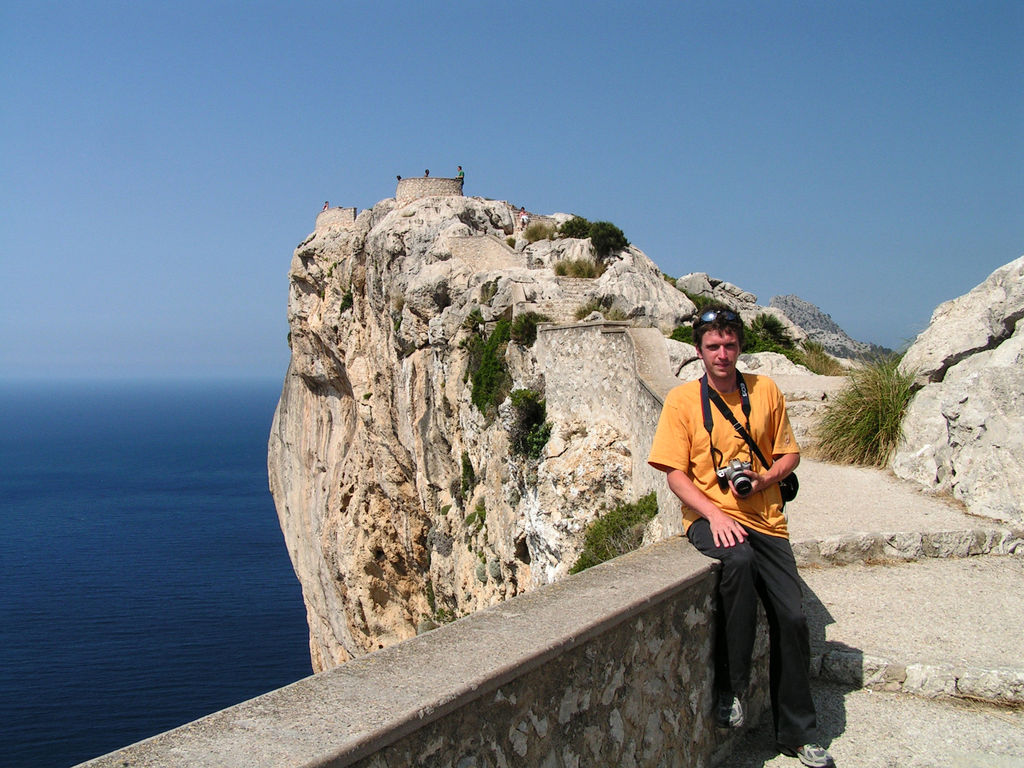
(425, 186)
(407, 190)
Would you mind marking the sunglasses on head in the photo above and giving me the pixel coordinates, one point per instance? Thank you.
(713, 314)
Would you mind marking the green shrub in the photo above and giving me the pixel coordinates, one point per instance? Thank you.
(468, 475)
(476, 519)
(577, 227)
(616, 532)
(473, 320)
(768, 334)
(530, 430)
(579, 268)
(346, 301)
(817, 360)
(431, 600)
(510, 241)
(524, 328)
(607, 239)
(490, 377)
(594, 305)
(699, 300)
(864, 423)
(772, 330)
(539, 230)
(585, 309)
(683, 333)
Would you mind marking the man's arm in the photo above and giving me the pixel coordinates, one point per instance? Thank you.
(726, 531)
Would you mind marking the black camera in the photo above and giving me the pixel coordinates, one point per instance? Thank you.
(733, 472)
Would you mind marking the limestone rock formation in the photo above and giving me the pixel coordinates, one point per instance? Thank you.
(820, 327)
(401, 502)
(964, 429)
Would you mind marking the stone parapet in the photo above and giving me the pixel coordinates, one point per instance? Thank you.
(336, 217)
(425, 186)
(609, 667)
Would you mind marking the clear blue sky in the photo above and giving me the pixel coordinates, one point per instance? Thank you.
(159, 161)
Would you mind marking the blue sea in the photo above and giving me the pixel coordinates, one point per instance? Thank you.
(144, 581)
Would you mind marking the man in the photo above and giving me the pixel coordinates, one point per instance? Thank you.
(744, 528)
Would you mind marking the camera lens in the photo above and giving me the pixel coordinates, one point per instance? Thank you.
(742, 485)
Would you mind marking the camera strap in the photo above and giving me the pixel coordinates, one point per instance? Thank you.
(709, 395)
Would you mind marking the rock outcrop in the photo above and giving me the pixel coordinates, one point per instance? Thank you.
(820, 327)
(964, 429)
(402, 503)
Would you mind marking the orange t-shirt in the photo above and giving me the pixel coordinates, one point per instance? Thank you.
(681, 442)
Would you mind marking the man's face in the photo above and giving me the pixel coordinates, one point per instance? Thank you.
(719, 350)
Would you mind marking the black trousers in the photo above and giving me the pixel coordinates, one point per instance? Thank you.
(763, 567)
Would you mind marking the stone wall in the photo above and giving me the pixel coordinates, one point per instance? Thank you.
(425, 186)
(609, 667)
(609, 372)
(336, 217)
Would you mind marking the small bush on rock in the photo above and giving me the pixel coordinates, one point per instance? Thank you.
(530, 429)
(607, 239)
(577, 227)
(468, 476)
(699, 300)
(683, 333)
(771, 330)
(616, 533)
(524, 328)
(538, 231)
(578, 268)
(490, 377)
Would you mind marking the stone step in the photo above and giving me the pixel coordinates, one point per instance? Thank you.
(934, 627)
(840, 505)
(863, 728)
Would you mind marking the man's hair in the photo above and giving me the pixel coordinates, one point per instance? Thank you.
(725, 319)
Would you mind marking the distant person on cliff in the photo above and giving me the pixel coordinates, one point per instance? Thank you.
(461, 175)
(734, 514)
(524, 218)
(426, 173)
(326, 206)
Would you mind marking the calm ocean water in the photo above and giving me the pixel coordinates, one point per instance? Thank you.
(144, 580)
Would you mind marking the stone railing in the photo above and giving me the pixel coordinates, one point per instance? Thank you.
(336, 217)
(425, 186)
(609, 667)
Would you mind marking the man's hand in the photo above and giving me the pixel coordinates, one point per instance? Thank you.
(784, 465)
(726, 531)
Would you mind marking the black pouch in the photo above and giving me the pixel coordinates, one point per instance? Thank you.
(788, 486)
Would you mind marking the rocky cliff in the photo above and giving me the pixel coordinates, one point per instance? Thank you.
(401, 500)
(964, 429)
(396, 456)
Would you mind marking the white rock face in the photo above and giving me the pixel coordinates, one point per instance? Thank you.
(401, 503)
(964, 430)
(977, 321)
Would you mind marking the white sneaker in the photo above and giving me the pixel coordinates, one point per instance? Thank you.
(728, 711)
(811, 755)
